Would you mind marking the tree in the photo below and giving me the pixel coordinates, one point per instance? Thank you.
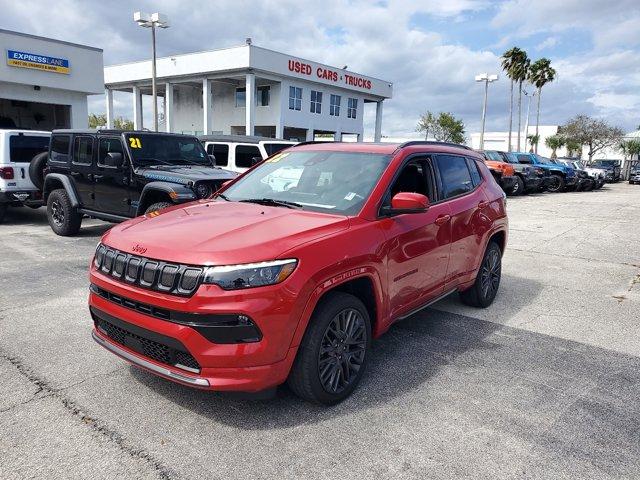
(574, 148)
(540, 73)
(445, 127)
(594, 134)
(533, 139)
(513, 61)
(554, 142)
(96, 121)
(425, 124)
(122, 123)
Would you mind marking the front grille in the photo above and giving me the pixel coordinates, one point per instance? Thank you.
(153, 349)
(156, 275)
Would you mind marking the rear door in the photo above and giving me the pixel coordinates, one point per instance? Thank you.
(83, 168)
(112, 184)
(22, 148)
(459, 186)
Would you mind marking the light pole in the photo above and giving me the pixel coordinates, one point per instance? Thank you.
(487, 79)
(526, 125)
(152, 21)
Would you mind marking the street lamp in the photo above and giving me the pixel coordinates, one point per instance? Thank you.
(487, 79)
(152, 21)
(526, 126)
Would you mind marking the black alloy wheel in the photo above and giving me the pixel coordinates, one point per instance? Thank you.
(484, 290)
(57, 213)
(557, 183)
(342, 350)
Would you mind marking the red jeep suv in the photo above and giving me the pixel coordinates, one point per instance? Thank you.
(292, 269)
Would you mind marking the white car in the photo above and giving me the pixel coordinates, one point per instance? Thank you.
(238, 153)
(17, 151)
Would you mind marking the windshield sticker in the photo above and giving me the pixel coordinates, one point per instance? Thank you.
(134, 142)
(276, 158)
(350, 196)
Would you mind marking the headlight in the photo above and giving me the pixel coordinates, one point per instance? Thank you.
(203, 190)
(235, 277)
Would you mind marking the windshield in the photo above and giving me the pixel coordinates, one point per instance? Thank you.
(157, 150)
(510, 157)
(322, 181)
(491, 155)
(544, 160)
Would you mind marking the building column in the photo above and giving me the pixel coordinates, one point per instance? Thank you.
(137, 108)
(207, 119)
(168, 107)
(250, 103)
(337, 136)
(310, 135)
(109, 98)
(377, 136)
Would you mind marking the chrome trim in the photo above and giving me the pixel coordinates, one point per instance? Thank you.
(194, 381)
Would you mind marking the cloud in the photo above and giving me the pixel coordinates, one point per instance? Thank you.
(547, 43)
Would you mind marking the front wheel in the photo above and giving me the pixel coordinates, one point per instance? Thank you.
(333, 354)
(557, 184)
(518, 188)
(485, 288)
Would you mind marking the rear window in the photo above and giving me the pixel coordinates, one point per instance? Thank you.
(221, 152)
(22, 148)
(245, 155)
(60, 148)
(83, 150)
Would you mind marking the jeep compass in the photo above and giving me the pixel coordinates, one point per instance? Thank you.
(293, 268)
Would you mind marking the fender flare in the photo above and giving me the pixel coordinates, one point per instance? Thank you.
(66, 184)
(557, 172)
(177, 193)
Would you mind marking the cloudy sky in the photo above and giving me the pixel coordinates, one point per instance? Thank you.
(430, 49)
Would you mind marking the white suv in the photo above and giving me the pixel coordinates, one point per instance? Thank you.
(17, 150)
(241, 152)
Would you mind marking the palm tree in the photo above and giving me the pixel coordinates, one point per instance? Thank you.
(539, 75)
(554, 142)
(533, 139)
(515, 64)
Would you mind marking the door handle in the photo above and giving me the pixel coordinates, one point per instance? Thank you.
(482, 204)
(97, 177)
(442, 219)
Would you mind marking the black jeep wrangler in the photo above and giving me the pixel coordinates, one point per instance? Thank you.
(114, 175)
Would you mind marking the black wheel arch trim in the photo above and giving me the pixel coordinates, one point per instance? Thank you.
(50, 181)
(182, 194)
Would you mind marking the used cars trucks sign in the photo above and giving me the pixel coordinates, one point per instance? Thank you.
(37, 62)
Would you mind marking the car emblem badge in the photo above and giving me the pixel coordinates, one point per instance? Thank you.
(139, 249)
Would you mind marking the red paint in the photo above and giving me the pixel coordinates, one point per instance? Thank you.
(409, 259)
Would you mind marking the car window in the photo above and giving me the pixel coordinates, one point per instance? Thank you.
(510, 157)
(491, 155)
(272, 148)
(60, 148)
(22, 148)
(524, 159)
(476, 178)
(245, 155)
(83, 150)
(221, 152)
(109, 145)
(455, 177)
(415, 177)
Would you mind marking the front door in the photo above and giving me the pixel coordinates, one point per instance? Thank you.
(112, 184)
(83, 169)
(418, 244)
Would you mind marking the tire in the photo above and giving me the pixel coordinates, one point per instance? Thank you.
(3, 211)
(482, 294)
(518, 189)
(320, 361)
(590, 186)
(557, 185)
(154, 207)
(36, 169)
(63, 218)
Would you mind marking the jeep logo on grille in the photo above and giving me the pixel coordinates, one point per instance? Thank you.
(139, 249)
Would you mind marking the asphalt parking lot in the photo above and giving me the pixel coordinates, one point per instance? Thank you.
(543, 384)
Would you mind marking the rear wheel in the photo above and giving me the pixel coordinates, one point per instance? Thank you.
(485, 288)
(63, 218)
(518, 189)
(557, 183)
(157, 206)
(333, 354)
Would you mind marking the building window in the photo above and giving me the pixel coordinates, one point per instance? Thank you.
(262, 98)
(334, 105)
(352, 108)
(295, 98)
(316, 102)
(241, 97)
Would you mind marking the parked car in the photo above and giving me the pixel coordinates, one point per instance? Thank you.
(562, 176)
(612, 168)
(238, 153)
(528, 178)
(595, 175)
(18, 148)
(585, 182)
(503, 173)
(634, 174)
(114, 175)
(263, 286)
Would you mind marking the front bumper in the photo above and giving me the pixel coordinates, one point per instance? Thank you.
(508, 182)
(533, 183)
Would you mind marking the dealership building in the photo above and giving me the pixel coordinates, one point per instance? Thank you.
(44, 83)
(250, 90)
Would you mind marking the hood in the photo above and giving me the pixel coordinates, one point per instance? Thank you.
(185, 174)
(221, 233)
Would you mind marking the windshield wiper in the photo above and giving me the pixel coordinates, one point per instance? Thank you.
(273, 201)
(222, 196)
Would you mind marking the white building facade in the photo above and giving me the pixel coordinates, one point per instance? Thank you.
(250, 90)
(44, 82)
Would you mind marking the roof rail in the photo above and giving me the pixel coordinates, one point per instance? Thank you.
(431, 142)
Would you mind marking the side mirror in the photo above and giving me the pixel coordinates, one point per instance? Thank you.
(212, 158)
(114, 159)
(255, 160)
(408, 202)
